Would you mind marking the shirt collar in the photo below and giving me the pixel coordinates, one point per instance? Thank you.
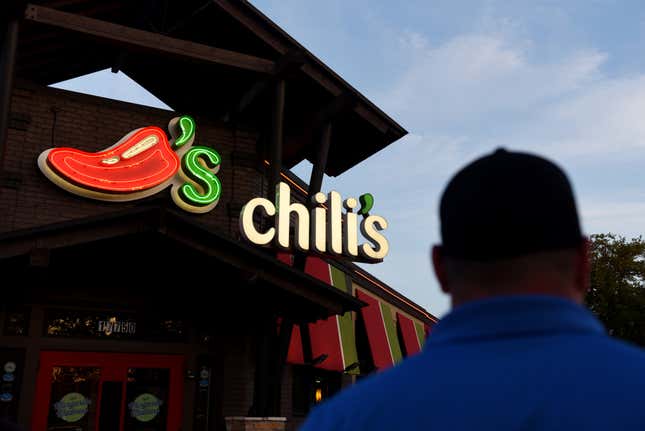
(506, 316)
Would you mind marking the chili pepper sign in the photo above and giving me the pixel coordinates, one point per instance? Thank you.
(143, 163)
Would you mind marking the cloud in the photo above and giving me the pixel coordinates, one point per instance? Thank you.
(472, 78)
(487, 90)
(624, 217)
(606, 119)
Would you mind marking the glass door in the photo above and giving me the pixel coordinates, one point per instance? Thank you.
(87, 391)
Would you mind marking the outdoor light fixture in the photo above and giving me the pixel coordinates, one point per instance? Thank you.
(351, 367)
(319, 359)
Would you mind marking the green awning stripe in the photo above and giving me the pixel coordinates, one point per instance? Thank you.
(338, 279)
(390, 330)
(418, 327)
(345, 322)
(348, 340)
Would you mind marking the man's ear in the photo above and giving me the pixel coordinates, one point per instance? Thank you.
(583, 267)
(439, 264)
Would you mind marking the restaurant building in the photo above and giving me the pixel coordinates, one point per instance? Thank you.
(165, 270)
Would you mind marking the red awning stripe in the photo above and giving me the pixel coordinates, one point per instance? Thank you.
(376, 333)
(325, 337)
(410, 340)
(296, 355)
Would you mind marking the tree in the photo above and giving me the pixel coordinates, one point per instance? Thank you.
(617, 294)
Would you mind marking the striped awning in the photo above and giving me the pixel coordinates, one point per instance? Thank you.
(334, 336)
(381, 331)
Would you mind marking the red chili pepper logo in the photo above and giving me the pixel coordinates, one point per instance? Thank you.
(141, 160)
(142, 163)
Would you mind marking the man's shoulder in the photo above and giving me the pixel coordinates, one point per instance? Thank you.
(380, 392)
(613, 354)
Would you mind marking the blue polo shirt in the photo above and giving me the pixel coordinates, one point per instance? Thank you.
(507, 363)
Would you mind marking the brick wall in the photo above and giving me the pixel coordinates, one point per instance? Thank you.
(44, 117)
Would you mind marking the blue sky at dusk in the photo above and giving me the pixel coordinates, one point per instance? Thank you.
(564, 79)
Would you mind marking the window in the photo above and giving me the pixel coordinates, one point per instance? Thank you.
(312, 386)
(112, 325)
(16, 320)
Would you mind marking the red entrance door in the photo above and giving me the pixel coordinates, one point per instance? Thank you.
(83, 391)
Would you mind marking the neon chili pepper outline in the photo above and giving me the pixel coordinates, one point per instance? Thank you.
(141, 164)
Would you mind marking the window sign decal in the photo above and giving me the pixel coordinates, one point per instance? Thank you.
(145, 407)
(72, 407)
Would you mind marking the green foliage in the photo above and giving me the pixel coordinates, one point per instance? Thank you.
(617, 294)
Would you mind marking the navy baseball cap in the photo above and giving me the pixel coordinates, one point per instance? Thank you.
(508, 204)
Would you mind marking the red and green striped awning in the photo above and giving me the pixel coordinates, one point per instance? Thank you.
(335, 336)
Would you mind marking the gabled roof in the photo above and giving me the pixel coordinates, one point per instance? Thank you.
(55, 46)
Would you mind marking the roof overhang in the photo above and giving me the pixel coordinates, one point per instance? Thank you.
(83, 243)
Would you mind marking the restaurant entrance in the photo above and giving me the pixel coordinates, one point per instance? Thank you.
(92, 391)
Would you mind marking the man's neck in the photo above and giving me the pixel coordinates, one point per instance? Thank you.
(464, 294)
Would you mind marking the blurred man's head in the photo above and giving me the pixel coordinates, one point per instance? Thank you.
(509, 225)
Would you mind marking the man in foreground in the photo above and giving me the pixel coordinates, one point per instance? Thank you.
(518, 351)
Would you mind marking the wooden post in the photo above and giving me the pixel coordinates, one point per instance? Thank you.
(320, 164)
(277, 130)
(262, 381)
(316, 179)
(7, 69)
(270, 359)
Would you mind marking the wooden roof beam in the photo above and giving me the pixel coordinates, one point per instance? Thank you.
(284, 66)
(314, 68)
(146, 40)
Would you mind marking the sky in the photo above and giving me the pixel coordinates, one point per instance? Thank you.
(562, 79)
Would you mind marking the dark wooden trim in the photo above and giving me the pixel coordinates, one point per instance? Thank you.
(233, 9)
(133, 37)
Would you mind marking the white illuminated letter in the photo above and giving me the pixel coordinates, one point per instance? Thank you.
(247, 228)
(370, 227)
(350, 229)
(335, 224)
(285, 208)
(318, 219)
